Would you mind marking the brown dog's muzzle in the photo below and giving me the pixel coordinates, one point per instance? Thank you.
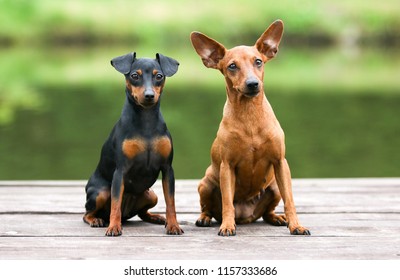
(252, 87)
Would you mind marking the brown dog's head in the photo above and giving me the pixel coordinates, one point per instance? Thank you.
(145, 77)
(242, 66)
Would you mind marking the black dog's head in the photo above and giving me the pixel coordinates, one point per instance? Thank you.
(145, 77)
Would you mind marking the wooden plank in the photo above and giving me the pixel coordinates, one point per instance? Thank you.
(321, 225)
(200, 247)
(348, 218)
(311, 196)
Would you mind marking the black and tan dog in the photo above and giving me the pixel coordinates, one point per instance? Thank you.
(138, 148)
(249, 173)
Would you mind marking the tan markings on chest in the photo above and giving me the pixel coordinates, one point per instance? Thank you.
(132, 147)
(162, 146)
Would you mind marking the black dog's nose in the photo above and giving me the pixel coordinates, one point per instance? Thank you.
(252, 84)
(149, 95)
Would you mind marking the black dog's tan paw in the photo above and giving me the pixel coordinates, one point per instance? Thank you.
(173, 229)
(300, 231)
(153, 218)
(114, 230)
(98, 222)
(94, 221)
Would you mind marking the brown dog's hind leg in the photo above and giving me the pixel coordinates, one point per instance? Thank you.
(208, 192)
(269, 215)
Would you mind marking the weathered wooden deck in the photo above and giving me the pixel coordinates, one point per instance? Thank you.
(348, 219)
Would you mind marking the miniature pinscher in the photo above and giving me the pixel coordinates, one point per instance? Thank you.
(249, 173)
(138, 148)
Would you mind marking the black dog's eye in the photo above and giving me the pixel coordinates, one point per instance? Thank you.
(258, 62)
(135, 76)
(232, 66)
(159, 77)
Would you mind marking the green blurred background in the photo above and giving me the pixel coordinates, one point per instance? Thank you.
(335, 85)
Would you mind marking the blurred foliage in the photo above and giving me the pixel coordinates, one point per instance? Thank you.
(335, 84)
(164, 22)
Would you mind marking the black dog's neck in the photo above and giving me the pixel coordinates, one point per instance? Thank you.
(148, 119)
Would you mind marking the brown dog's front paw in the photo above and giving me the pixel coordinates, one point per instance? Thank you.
(114, 230)
(173, 229)
(300, 231)
(229, 230)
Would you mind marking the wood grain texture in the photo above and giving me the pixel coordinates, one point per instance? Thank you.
(348, 219)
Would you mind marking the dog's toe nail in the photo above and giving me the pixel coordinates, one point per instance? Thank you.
(282, 223)
(295, 232)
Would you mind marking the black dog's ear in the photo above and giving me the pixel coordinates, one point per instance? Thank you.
(123, 63)
(168, 65)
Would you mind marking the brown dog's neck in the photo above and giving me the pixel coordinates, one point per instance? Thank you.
(243, 108)
(249, 116)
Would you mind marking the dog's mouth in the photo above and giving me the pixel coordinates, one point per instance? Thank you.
(147, 104)
(251, 93)
(143, 102)
(248, 92)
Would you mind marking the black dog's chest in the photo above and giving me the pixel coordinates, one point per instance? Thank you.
(159, 146)
(144, 160)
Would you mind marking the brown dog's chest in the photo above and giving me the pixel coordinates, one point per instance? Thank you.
(253, 167)
(251, 150)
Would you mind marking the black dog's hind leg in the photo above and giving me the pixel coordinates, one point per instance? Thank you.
(97, 205)
(145, 202)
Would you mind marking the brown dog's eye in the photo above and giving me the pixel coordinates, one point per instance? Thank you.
(258, 62)
(159, 77)
(232, 66)
(135, 76)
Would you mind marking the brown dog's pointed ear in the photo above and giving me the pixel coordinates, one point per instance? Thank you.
(168, 65)
(123, 63)
(269, 41)
(210, 51)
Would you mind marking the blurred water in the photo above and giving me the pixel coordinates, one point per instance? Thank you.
(55, 123)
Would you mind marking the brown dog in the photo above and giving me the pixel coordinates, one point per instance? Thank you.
(249, 173)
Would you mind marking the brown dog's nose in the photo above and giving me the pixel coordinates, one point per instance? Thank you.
(252, 84)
